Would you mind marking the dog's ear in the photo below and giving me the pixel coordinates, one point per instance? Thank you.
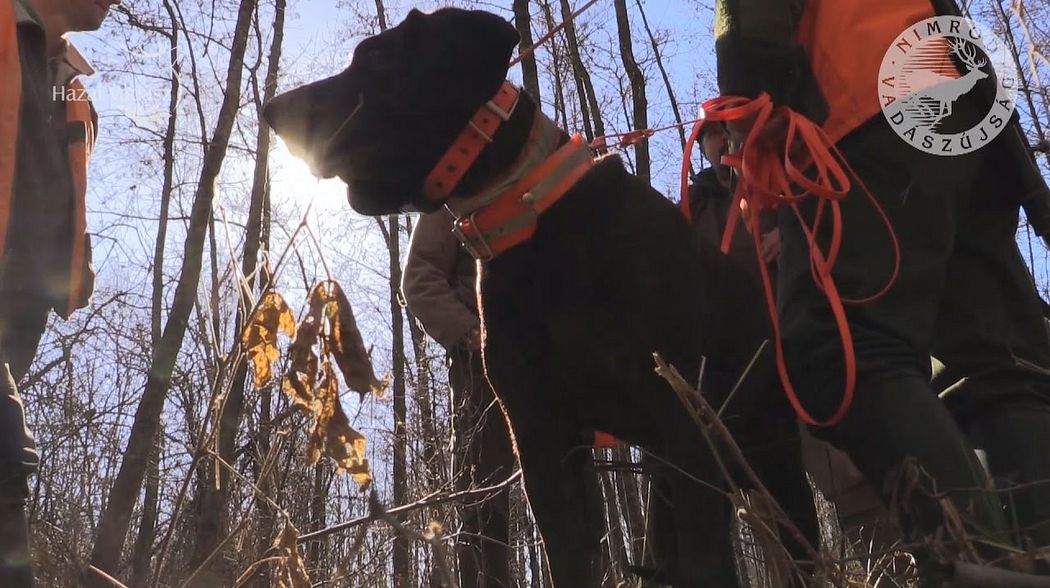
(473, 41)
(497, 33)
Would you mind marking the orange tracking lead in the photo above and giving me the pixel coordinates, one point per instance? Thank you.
(772, 170)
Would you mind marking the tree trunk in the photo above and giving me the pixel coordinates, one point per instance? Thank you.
(663, 74)
(631, 507)
(402, 549)
(142, 552)
(143, 549)
(258, 230)
(556, 60)
(113, 525)
(214, 513)
(588, 99)
(432, 472)
(638, 97)
(530, 77)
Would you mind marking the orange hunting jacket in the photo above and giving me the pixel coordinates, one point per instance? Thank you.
(820, 57)
(81, 124)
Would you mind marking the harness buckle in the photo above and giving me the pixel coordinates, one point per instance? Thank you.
(466, 230)
(503, 115)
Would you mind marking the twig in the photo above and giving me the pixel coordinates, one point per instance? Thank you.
(550, 34)
(440, 555)
(706, 418)
(421, 503)
(207, 435)
(113, 581)
(740, 380)
(250, 570)
(268, 464)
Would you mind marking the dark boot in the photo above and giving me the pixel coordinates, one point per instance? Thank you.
(16, 566)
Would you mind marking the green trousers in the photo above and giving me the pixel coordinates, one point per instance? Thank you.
(963, 295)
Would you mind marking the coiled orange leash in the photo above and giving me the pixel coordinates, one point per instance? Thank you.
(771, 168)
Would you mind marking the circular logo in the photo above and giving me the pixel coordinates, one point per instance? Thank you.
(947, 85)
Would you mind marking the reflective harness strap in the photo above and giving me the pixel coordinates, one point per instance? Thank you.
(511, 218)
(770, 167)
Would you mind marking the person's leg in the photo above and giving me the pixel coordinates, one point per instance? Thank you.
(993, 341)
(18, 459)
(862, 515)
(22, 321)
(895, 417)
(1015, 435)
(495, 461)
(482, 456)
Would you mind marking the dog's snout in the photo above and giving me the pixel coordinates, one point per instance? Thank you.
(272, 112)
(289, 116)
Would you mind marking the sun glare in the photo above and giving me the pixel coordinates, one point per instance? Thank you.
(291, 179)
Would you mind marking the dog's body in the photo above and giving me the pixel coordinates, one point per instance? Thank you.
(573, 315)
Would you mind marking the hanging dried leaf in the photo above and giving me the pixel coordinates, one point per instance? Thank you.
(332, 435)
(259, 339)
(347, 346)
(301, 377)
(313, 386)
(291, 569)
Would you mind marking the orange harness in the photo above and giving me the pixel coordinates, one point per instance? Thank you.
(770, 173)
(510, 218)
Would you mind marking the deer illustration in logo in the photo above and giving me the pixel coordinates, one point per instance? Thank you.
(935, 93)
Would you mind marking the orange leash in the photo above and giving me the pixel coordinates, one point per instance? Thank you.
(771, 164)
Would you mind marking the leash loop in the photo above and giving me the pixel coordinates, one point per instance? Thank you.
(784, 159)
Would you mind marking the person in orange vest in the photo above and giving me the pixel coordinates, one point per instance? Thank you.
(439, 287)
(963, 293)
(47, 131)
(863, 518)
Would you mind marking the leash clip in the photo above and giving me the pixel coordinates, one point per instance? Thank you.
(472, 239)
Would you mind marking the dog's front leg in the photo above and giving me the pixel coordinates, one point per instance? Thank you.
(561, 486)
(559, 479)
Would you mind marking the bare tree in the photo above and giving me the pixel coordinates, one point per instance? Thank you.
(637, 79)
(529, 73)
(113, 525)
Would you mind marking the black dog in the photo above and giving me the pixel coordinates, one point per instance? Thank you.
(573, 315)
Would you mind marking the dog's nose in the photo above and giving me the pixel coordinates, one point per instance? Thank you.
(289, 116)
(275, 111)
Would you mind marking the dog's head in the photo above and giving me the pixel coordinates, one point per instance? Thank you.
(385, 121)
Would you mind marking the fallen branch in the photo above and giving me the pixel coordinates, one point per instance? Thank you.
(421, 503)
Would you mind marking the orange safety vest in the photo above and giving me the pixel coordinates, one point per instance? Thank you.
(845, 41)
(78, 113)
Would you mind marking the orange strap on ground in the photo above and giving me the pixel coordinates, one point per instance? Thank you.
(785, 158)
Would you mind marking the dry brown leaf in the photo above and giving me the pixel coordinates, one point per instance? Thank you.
(259, 339)
(301, 377)
(346, 344)
(291, 569)
(332, 435)
(313, 386)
